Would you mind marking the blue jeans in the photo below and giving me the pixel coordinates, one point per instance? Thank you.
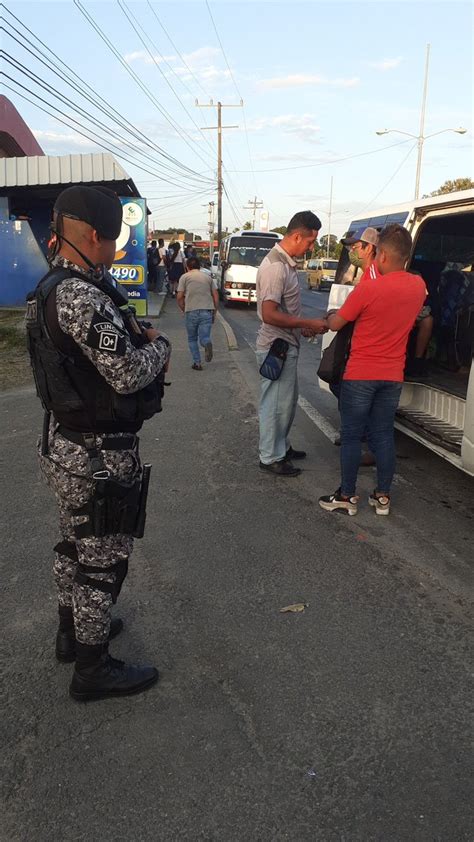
(198, 326)
(161, 278)
(276, 413)
(368, 405)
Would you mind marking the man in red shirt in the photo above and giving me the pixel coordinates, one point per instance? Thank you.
(384, 311)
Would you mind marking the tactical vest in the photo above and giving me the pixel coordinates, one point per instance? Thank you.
(68, 384)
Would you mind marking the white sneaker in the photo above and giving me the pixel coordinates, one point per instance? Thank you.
(380, 502)
(336, 503)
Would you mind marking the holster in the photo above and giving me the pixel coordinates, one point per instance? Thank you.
(115, 509)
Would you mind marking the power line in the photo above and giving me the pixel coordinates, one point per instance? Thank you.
(129, 14)
(219, 128)
(176, 49)
(123, 144)
(374, 199)
(234, 212)
(67, 75)
(329, 163)
(78, 131)
(180, 55)
(237, 90)
(136, 78)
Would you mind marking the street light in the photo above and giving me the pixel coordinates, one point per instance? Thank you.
(421, 137)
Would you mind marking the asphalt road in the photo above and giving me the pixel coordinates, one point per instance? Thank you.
(348, 722)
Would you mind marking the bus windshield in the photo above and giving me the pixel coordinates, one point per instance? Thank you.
(249, 251)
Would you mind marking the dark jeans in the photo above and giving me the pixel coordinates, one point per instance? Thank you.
(368, 405)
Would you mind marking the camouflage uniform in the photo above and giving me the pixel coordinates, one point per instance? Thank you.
(67, 467)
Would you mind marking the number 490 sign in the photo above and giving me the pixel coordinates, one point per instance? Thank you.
(129, 266)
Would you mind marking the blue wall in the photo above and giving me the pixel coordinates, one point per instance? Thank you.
(22, 254)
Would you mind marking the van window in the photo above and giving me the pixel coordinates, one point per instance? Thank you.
(446, 239)
(330, 264)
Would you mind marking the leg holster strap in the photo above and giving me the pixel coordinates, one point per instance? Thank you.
(119, 571)
(112, 510)
(67, 548)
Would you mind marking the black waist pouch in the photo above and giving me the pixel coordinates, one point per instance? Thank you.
(273, 363)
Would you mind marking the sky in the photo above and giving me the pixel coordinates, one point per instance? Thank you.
(317, 81)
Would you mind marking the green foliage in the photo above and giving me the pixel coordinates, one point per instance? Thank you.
(451, 186)
(335, 247)
(282, 229)
(247, 226)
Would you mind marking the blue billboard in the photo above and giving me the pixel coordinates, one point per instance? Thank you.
(130, 265)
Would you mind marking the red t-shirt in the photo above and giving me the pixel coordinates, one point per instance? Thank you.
(384, 309)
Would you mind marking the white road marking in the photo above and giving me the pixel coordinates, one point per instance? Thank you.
(324, 425)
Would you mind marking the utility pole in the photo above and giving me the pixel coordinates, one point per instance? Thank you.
(329, 222)
(211, 228)
(253, 205)
(219, 127)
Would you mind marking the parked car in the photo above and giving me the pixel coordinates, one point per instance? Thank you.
(321, 273)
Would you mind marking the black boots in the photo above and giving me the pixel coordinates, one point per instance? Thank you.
(97, 675)
(66, 639)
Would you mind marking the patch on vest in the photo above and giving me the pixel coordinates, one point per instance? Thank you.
(104, 335)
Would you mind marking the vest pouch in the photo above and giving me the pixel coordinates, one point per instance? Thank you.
(150, 397)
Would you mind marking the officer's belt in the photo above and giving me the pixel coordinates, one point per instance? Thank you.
(109, 441)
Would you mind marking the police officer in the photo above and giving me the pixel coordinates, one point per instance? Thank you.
(99, 374)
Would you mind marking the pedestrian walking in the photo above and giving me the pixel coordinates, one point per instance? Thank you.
(99, 375)
(176, 267)
(384, 311)
(198, 299)
(278, 341)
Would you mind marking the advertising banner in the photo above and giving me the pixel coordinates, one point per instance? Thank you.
(130, 265)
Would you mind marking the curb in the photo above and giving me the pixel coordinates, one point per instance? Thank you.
(230, 335)
(155, 305)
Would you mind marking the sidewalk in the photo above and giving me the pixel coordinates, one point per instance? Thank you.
(323, 725)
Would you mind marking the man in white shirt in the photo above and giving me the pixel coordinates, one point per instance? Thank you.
(279, 309)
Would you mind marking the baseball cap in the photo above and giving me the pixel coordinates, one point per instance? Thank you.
(369, 235)
(100, 207)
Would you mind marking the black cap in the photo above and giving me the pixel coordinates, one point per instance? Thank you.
(100, 207)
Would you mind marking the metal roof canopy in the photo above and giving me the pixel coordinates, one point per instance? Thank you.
(49, 174)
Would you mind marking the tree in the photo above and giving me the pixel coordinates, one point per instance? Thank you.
(282, 229)
(247, 226)
(451, 186)
(321, 249)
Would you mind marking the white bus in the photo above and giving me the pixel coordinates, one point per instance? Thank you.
(240, 255)
(437, 409)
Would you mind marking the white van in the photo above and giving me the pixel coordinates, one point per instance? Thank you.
(437, 411)
(240, 255)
